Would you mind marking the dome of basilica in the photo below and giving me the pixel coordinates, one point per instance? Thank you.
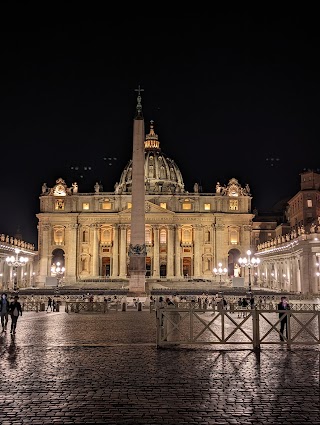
(162, 174)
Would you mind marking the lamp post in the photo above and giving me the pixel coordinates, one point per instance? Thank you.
(58, 271)
(220, 272)
(249, 262)
(16, 262)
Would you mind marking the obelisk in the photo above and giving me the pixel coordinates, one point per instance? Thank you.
(137, 247)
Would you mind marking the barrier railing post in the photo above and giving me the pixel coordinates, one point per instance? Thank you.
(255, 328)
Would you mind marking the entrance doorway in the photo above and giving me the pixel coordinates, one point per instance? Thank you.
(187, 266)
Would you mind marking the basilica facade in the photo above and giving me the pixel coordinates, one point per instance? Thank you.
(187, 234)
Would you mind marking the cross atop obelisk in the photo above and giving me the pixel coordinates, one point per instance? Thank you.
(139, 105)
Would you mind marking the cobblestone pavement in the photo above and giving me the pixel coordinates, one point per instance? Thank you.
(85, 368)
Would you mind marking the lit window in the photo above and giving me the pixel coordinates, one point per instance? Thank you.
(163, 236)
(309, 203)
(186, 206)
(106, 205)
(86, 206)
(233, 204)
(207, 207)
(129, 205)
(106, 235)
(163, 204)
(59, 205)
(58, 235)
(234, 237)
(187, 236)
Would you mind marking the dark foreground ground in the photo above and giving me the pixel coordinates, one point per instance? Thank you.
(92, 368)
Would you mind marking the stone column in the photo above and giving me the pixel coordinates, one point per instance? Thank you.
(123, 251)
(219, 244)
(156, 253)
(170, 251)
(177, 264)
(44, 254)
(197, 258)
(115, 252)
(95, 250)
(71, 257)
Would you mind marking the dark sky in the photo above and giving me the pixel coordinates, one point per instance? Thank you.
(231, 96)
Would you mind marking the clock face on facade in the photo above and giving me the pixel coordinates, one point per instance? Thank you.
(59, 190)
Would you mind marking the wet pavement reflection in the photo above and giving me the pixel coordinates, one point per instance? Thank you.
(105, 368)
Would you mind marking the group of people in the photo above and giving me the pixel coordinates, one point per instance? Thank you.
(52, 305)
(12, 309)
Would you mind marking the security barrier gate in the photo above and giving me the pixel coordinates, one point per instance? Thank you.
(194, 326)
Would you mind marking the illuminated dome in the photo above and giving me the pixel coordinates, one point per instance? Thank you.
(162, 174)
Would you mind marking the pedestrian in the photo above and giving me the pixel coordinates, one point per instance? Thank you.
(239, 307)
(49, 304)
(252, 301)
(4, 311)
(283, 305)
(225, 303)
(159, 306)
(53, 305)
(245, 306)
(15, 310)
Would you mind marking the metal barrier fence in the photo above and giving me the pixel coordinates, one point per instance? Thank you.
(194, 326)
(104, 307)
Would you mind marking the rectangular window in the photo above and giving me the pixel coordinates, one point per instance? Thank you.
(129, 205)
(186, 206)
(106, 205)
(86, 206)
(163, 205)
(309, 203)
(207, 207)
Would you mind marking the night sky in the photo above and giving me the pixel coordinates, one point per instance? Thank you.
(230, 96)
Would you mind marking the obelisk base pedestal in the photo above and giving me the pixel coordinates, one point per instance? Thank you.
(137, 283)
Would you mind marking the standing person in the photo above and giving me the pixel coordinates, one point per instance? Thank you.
(4, 311)
(160, 305)
(245, 306)
(49, 304)
(15, 310)
(252, 301)
(283, 305)
(239, 307)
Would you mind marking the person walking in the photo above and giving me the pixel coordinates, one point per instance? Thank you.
(284, 317)
(4, 311)
(49, 304)
(15, 310)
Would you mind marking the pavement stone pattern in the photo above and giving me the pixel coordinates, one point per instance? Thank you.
(86, 368)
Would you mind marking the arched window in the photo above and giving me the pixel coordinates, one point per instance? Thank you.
(186, 236)
(85, 235)
(58, 235)
(163, 236)
(106, 235)
(234, 237)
